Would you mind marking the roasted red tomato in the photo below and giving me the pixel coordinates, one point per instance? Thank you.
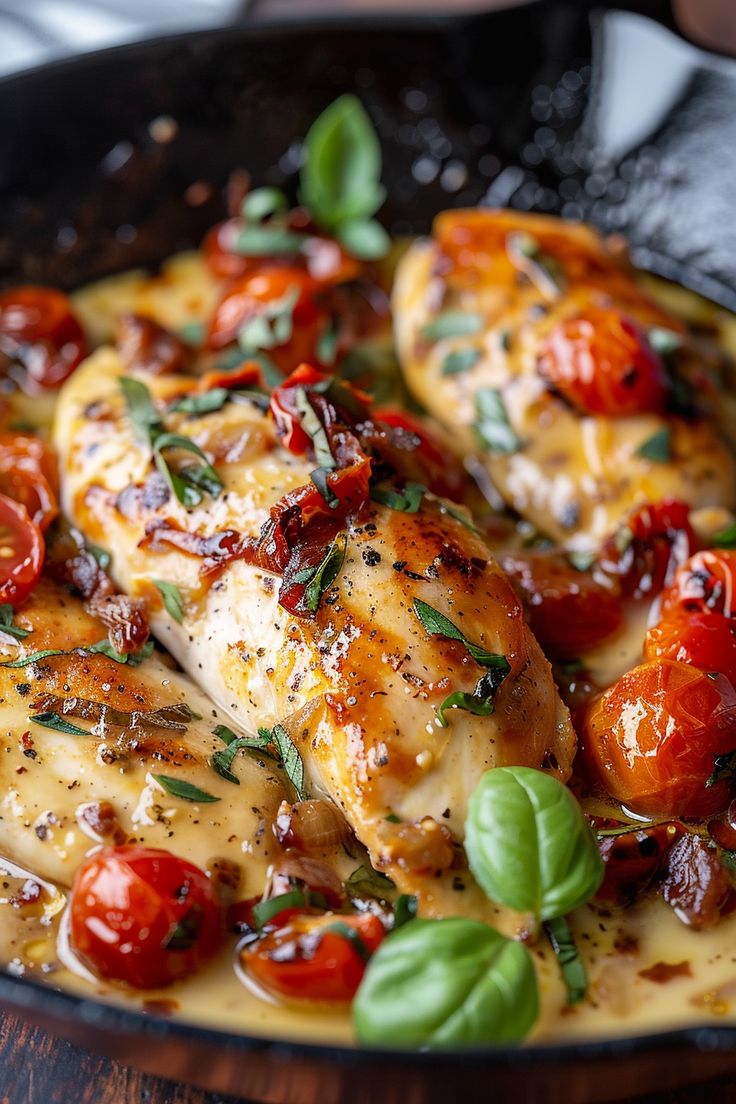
(645, 553)
(28, 474)
(417, 454)
(21, 552)
(602, 363)
(706, 582)
(219, 251)
(569, 612)
(143, 916)
(651, 740)
(633, 860)
(319, 958)
(39, 332)
(703, 639)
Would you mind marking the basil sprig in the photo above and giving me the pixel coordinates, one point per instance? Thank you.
(340, 178)
(529, 845)
(444, 983)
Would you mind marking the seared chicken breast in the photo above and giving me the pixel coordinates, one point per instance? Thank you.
(495, 315)
(356, 686)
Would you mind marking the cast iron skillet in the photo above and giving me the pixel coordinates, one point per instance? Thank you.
(634, 130)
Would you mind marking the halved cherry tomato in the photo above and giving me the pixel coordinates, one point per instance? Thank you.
(319, 958)
(143, 916)
(569, 612)
(652, 738)
(602, 363)
(418, 455)
(706, 582)
(645, 554)
(28, 474)
(703, 639)
(21, 552)
(38, 331)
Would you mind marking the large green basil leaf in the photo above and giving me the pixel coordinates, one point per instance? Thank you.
(446, 983)
(529, 844)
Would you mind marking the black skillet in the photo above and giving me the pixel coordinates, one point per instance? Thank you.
(628, 127)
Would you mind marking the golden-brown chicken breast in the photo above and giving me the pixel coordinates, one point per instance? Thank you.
(581, 397)
(357, 685)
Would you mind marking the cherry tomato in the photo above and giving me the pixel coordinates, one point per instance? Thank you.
(21, 552)
(250, 298)
(323, 259)
(706, 582)
(569, 612)
(652, 738)
(633, 860)
(28, 474)
(319, 958)
(284, 411)
(39, 331)
(143, 916)
(645, 554)
(219, 251)
(602, 363)
(702, 639)
(420, 456)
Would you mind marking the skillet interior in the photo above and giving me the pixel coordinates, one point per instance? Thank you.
(87, 190)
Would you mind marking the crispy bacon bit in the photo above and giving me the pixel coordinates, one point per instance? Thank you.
(123, 617)
(214, 551)
(146, 346)
(697, 885)
(662, 972)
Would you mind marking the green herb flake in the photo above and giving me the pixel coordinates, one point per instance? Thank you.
(144, 418)
(290, 757)
(185, 933)
(407, 500)
(543, 270)
(265, 911)
(365, 239)
(35, 657)
(658, 447)
(207, 403)
(268, 241)
(189, 483)
(724, 769)
(58, 724)
(261, 203)
(179, 787)
(367, 882)
(571, 964)
(327, 345)
(319, 478)
(7, 625)
(339, 927)
(452, 323)
(103, 558)
(459, 515)
(664, 342)
(726, 538)
(133, 659)
(172, 599)
(474, 703)
(222, 761)
(405, 910)
(459, 361)
(581, 561)
(493, 426)
(326, 573)
(437, 624)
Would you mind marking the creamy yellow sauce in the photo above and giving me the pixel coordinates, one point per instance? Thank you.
(616, 945)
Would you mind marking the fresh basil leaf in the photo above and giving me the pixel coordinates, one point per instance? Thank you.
(340, 177)
(470, 703)
(190, 482)
(571, 964)
(6, 623)
(144, 417)
(172, 599)
(222, 761)
(319, 478)
(446, 983)
(268, 241)
(726, 538)
(493, 426)
(265, 911)
(664, 341)
(326, 573)
(367, 882)
(192, 333)
(658, 447)
(35, 657)
(459, 361)
(207, 403)
(179, 787)
(261, 203)
(407, 500)
(314, 429)
(452, 323)
(58, 724)
(437, 624)
(291, 759)
(550, 863)
(405, 910)
(365, 239)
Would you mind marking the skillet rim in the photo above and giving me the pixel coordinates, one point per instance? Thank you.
(23, 995)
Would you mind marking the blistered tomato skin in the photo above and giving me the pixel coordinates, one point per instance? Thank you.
(28, 475)
(143, 916)
(651, 740)
(21, 552)
(706, 582)
(315, 958)
(39, 331)
(602, 363)
(703, 639)
(657, 541)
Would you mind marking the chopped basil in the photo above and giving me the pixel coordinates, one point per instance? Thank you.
(265, 911)
(53, 720)
(407, 500)
(459, 361)
(268, 241)
(225, 734)
(272, 326)
(261, 203)
(192, 333)
(571, 964)
(726, 538)
(405, 910)
(474, 703)
(724, 769)
(185, 933)
(324, 575)
(313, 427)
(542, 269)
(222, 761)
(290, 757)
(327, 345)
(319, 478)
(664, 341)
(207, 403)
(581, 561)
(458, 515)
(392, 818)
(493, 427)
(144, 417)
(340, 177)
(104, 559)
(133, 659)
(452, 323)
(339, 927)
(367, 882)
(34, 657)
(437, 624)
(179, 787)
(658, 447)
(626, 829)
(6, 623)
(172, 598)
